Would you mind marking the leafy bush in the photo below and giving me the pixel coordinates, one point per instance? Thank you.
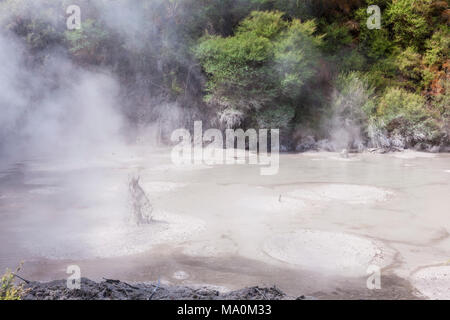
(408, 19)
(398, 102)
(38, 24)
(295, 57)
(383, 73)
(265, 64)
(8, 290)
(404, 114)
(438, 47)
(335, 37)
(409, 63)
(87, 41)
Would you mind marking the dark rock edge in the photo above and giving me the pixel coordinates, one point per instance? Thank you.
(118, 290)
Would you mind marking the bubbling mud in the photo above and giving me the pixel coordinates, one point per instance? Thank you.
(157, 187)
(274, 204)
(330, 252)
(352, 194)
(409, 154)
(321, 217)
(433, 282)
(115, 239)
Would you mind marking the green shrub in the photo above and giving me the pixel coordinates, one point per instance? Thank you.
(402, 113)
(264, 24)
(295, 57)
(437, 47)
(398, 102)
(264, 66)
(86, 39)
(408, 20)
(383, 73)
(40, 26)
(335, 37)
(441, 101)
(409, 63)
(8, 290)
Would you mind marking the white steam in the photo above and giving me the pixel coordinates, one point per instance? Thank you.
(55, 108)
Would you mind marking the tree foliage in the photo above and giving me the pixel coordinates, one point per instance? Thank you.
(255, 63)
(262, 67)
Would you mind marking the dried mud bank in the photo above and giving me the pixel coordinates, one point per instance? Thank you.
(118, 290)
(109, 289)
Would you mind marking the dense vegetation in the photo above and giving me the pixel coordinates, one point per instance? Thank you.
(311, 68)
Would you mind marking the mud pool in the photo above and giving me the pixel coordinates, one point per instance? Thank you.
(313, 228)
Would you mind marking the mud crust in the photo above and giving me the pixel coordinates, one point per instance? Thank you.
(396, 289)
(118, 290)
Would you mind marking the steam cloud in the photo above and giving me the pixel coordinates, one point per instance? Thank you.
(54, 108)
(58, 108)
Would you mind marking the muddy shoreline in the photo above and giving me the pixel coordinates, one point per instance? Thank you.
(110, 289)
